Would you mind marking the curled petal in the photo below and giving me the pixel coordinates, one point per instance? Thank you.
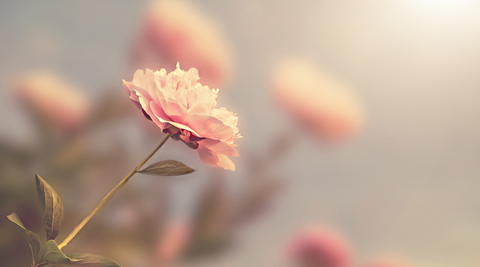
(215, 159)
(139, 78)
(158, 112)
(131, 91)
(207, 126)
(219, 147)
(163, 118)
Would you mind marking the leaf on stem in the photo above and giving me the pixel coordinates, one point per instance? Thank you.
(51, 254)
(52, 207)
(167, 168)
(32, 238)
(91, 260)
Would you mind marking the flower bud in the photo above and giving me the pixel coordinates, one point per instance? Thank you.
(58, 101)
(319, 246)
(177, 31)
(316, 100)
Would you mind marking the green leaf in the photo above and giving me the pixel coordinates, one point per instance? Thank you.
(32, 238)
(91, 260)
(167, 168)
(52, 207)
(51, 254)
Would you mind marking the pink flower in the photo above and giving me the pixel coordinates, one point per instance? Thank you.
(315, 99)
(55, 99)
(320, 247)
(176, 31)
(181, 106)
(172, 242)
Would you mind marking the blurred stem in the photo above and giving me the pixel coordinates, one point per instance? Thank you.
(278, 148)
(110, 195)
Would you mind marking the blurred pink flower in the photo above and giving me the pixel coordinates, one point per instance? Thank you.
(181, 106)
(319, 246)
(172, 242)
(315, 99)
(58, 101)
(176, 31)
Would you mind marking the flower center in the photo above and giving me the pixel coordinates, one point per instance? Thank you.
(187, 137)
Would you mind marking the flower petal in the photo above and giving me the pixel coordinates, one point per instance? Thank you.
(146, 107)
(206, 126)
(219, 147)
(212, 158)
(164, 118)
(130, 90)
(139, 78)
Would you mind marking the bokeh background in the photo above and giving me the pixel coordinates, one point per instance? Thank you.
(405, 184)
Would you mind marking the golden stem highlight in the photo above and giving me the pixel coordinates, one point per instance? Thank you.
(110, 195)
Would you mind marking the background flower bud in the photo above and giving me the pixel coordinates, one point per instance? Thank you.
(172, 242)
(58, 101)
(319, 246)
(316, 99)
(176, 31)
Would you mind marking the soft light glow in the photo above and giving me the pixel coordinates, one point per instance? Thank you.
(447, 4)
(444, 7)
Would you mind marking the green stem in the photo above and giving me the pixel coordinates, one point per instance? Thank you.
(110, 195)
